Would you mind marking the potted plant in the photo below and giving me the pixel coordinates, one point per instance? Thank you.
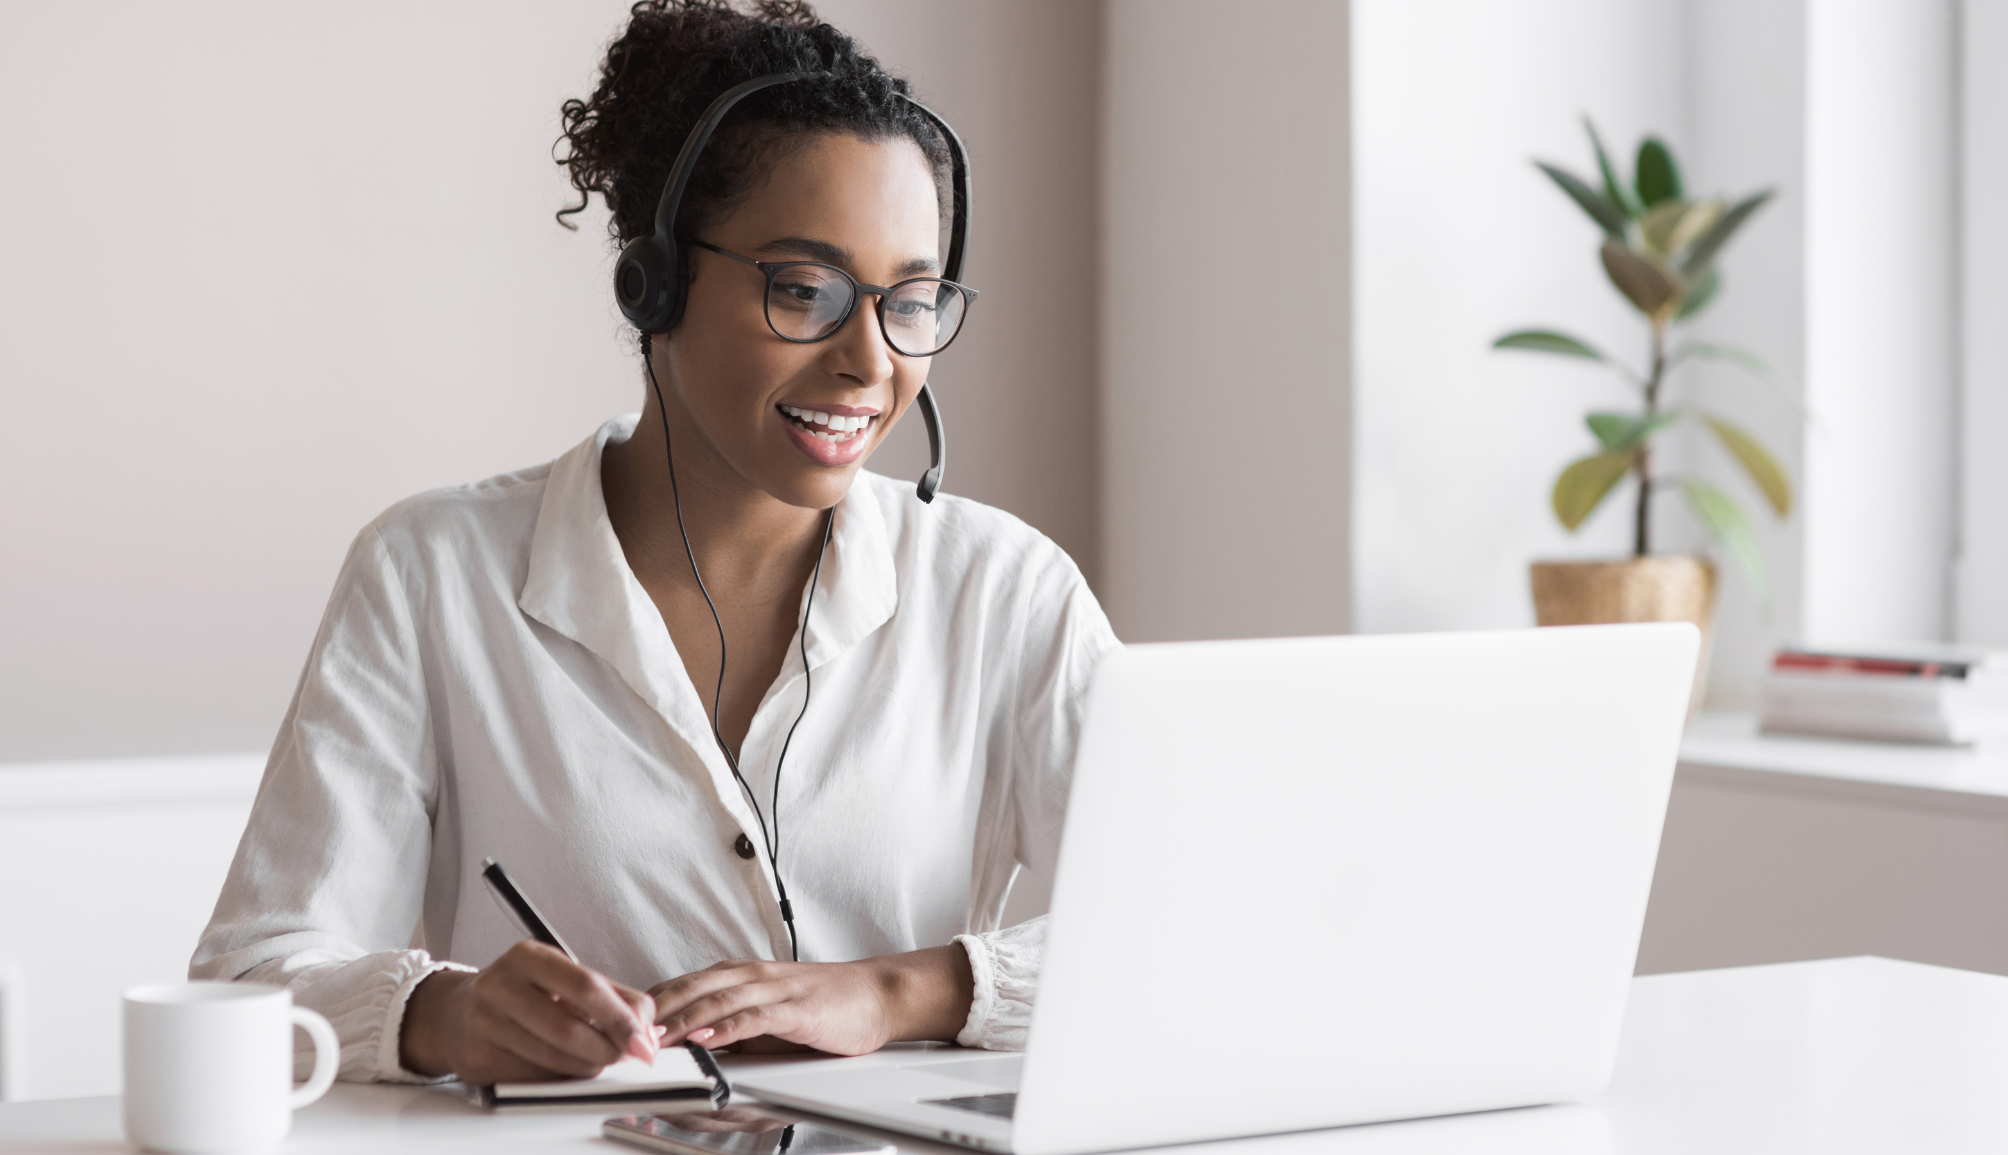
(1659, 249)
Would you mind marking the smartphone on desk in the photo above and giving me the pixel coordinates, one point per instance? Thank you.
(744, 1130)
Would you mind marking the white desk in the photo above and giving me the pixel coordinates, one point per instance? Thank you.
(1836, 1057)
(1779, 849)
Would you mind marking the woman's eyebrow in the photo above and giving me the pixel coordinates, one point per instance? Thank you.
(822, 251)
(840, 256)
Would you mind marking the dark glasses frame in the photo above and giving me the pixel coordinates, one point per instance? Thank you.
(859, 289)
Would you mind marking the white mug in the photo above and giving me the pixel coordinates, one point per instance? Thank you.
(209, 1066)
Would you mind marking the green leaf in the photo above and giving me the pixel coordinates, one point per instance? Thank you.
(1726, 524)
(1645, 282)
(1694, 223)
(1584, 485)
(1614, 189)
(1756, 461)
(1699, 294)
(1659, 223)
(1543, 341)
(1701, 254)
(1658, 176)
(1606, 214)
(1732, 353)
(1624, 432)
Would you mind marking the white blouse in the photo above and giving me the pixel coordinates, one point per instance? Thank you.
(491, 681)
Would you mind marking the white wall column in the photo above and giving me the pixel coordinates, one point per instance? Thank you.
(1880, 319)
(1981, 610)
(1226, 301)
(1746, 93)
(1460, 239)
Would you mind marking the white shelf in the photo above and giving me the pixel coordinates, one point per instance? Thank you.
(1959, 774)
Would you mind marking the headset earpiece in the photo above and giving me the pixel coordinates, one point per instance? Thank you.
(647, 285)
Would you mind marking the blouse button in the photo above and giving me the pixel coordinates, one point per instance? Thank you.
(744, 846)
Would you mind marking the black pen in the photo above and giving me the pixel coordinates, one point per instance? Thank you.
(518, 907)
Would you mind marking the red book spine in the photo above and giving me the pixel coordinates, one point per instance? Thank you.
(1888, 667)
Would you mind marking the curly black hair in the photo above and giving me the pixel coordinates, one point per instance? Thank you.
(674, 58)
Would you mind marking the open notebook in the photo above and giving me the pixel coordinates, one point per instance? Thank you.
(682, 1077)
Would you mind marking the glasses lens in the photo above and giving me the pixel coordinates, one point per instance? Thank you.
(808, 302)
(921, 317)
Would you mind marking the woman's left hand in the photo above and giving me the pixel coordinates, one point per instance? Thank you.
(843, 1008)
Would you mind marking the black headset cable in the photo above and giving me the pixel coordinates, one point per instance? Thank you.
(771, 843)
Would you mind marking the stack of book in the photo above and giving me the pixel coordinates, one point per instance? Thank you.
(1943, 695)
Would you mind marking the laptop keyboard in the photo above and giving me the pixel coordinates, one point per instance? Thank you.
(998, 1106)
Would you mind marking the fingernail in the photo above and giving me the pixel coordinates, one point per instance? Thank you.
(701, 1034)
(660, 1030)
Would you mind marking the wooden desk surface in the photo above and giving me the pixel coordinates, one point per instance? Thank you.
(1835, 1057)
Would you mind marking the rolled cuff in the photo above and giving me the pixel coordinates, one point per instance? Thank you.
(389, 1040)
(1005, 966)
(364, 1000)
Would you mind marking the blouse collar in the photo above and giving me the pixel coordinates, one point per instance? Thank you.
(579, 584)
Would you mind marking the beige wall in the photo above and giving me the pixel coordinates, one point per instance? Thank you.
(1020, 80)
(1227, 310)
(338, 283)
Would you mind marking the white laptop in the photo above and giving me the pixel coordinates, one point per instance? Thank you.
(1321, 881)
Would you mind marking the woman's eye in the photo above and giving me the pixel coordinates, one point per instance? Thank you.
(800, 292)
(806, 291)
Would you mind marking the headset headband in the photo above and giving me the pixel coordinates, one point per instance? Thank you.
(693, 146)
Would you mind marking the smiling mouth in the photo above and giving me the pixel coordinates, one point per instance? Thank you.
(827, 427)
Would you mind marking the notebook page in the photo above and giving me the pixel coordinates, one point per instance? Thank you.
(674, 1069)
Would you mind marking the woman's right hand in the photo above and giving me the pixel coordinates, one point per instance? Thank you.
(532, 1015)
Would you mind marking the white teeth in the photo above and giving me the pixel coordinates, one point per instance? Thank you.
(826, 426)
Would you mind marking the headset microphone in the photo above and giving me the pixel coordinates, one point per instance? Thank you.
(652, 293)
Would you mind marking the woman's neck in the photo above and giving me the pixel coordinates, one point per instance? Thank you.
(745, 539)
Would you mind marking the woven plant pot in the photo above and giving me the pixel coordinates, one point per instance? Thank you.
(1662, 588)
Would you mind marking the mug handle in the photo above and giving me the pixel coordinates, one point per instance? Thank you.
(327, 1057)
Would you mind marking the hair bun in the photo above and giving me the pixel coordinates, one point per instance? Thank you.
(677, 56)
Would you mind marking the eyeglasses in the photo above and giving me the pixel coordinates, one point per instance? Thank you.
(808, 301)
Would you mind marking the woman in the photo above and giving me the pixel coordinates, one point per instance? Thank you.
(511, 669)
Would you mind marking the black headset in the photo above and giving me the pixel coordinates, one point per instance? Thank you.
(652, 293)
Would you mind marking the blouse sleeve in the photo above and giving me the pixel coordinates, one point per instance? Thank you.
(1005, 964)
(1065, 639)
(326, 889)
